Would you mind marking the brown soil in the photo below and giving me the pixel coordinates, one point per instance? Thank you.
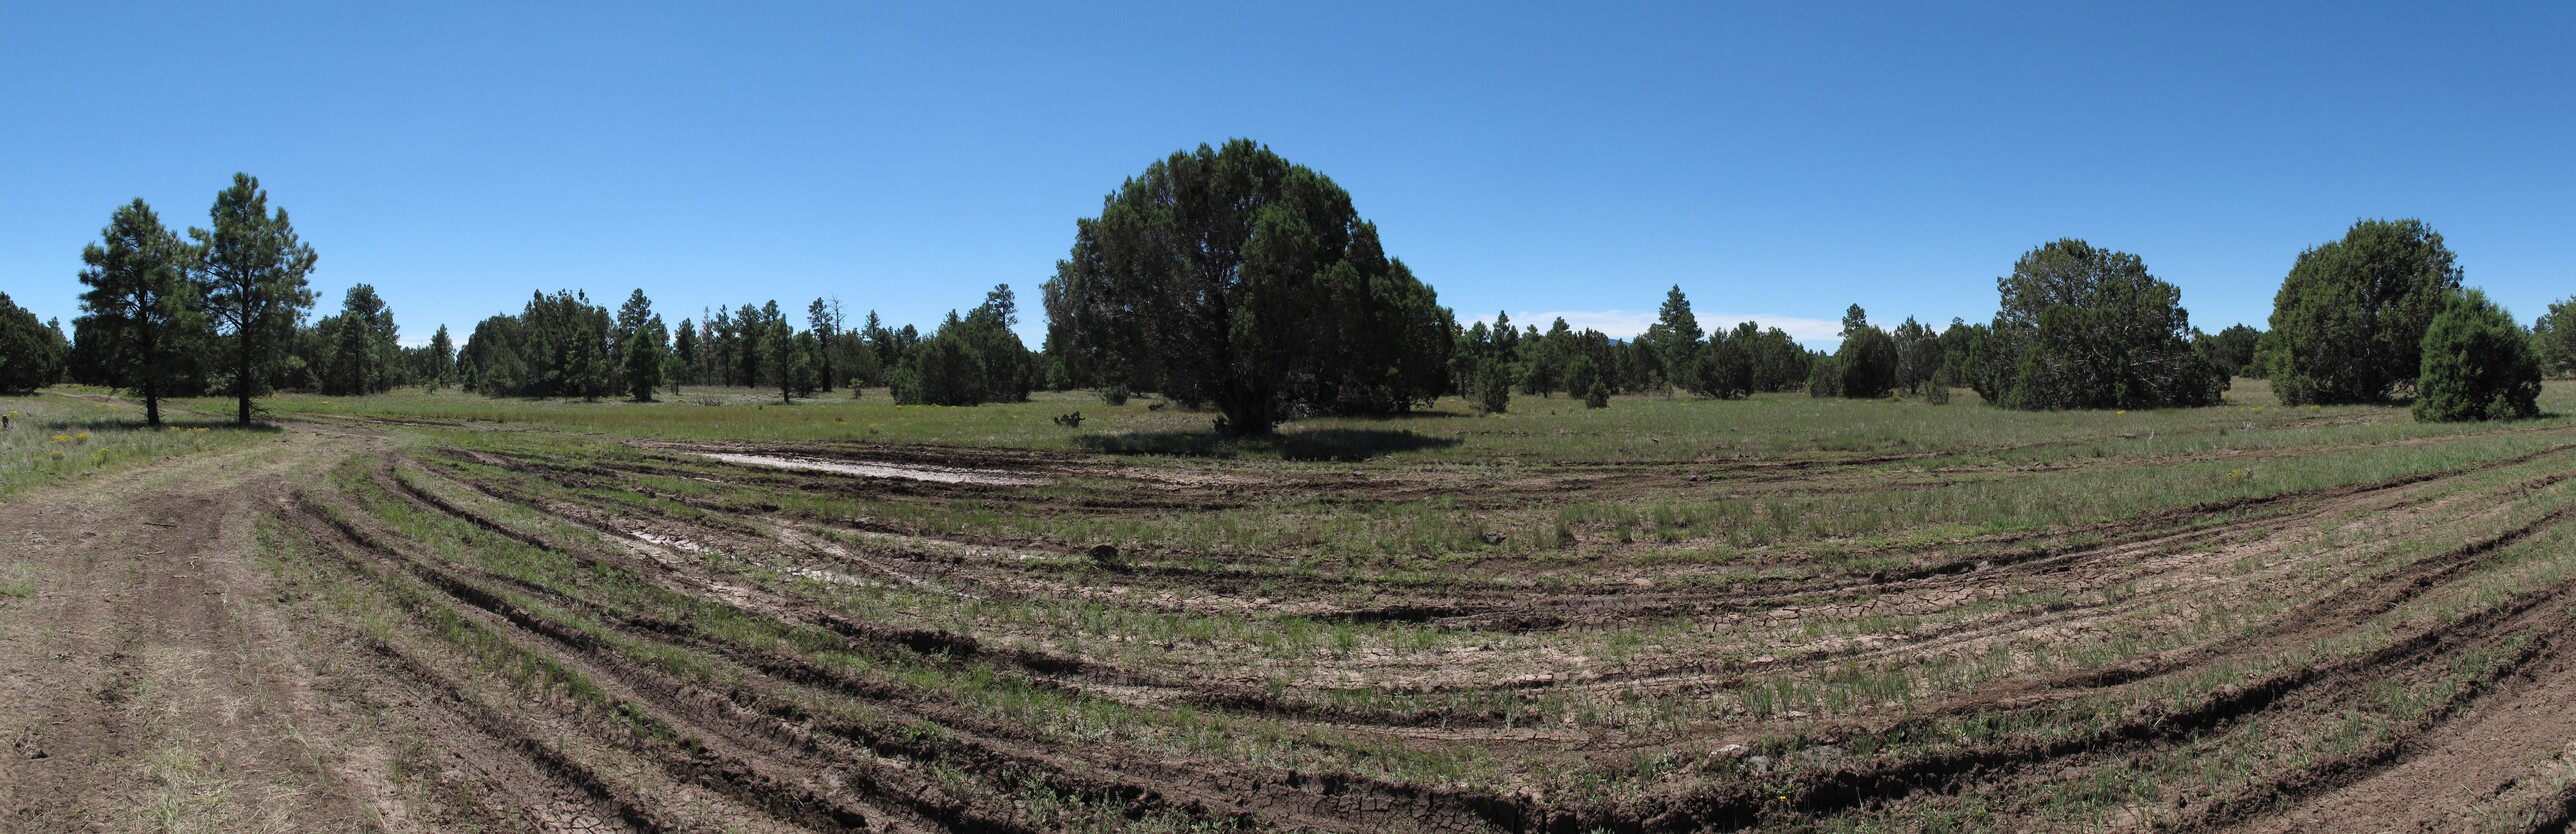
(376, 673)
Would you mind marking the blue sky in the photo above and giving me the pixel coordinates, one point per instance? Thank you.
(1778, 161)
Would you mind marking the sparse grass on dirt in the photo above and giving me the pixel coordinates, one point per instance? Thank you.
(1670, 615)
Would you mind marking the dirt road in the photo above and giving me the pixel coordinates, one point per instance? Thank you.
(145, 684)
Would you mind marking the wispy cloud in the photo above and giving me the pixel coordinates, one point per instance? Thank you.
(1624, 324)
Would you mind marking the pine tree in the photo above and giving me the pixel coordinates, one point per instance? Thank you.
(442, 360)
(140, 306)
(251, 276)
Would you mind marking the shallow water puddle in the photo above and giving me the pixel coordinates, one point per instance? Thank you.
(940, 474)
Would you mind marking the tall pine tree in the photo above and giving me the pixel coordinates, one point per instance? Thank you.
(251, 272)
(140, 305)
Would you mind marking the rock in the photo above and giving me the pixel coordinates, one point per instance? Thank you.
(1731, 751)
(1759, 764)
(1490, 537)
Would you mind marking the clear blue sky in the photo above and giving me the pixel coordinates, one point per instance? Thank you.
(1775, 159)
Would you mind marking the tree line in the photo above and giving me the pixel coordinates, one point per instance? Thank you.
(1230, 279)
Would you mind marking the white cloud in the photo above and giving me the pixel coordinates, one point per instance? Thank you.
(1623, 324)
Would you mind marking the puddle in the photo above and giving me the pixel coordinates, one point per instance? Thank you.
(938, 474)
(673, 542)
(828, 577)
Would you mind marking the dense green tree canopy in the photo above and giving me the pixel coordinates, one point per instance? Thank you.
(2478, 364)
(639, 346)
(1867, 361)
(2554, 334)
(556, 347)
(2348, 324)
(139, 311)
(251, 276)
(1233, 277)
(31, 354)
(2230, 351)
(439, 360)
(2086, 327)
(358, 351)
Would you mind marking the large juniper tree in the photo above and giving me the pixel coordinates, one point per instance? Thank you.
(139, 313)
(251, 273)
(2348, 324)
(1233, 277)
(2086, 327)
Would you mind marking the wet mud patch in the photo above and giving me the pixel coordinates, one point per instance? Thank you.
(868, 469)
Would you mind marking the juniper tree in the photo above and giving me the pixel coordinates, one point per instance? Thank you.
(2086, 327)
(2478, 364)
(2348, 323)
(1233, 277)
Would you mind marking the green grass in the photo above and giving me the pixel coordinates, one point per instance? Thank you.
(1641, 428)
(59, 434)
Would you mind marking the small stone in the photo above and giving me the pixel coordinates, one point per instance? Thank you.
(1759, 764)
(1731, 751)
(1490, 537)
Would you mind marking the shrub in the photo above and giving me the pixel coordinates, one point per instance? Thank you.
(2477, 365)
(1825, 377)
(1489, 387)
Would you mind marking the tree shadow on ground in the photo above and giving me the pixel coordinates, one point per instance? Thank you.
(1344, 445)
(101, 424)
